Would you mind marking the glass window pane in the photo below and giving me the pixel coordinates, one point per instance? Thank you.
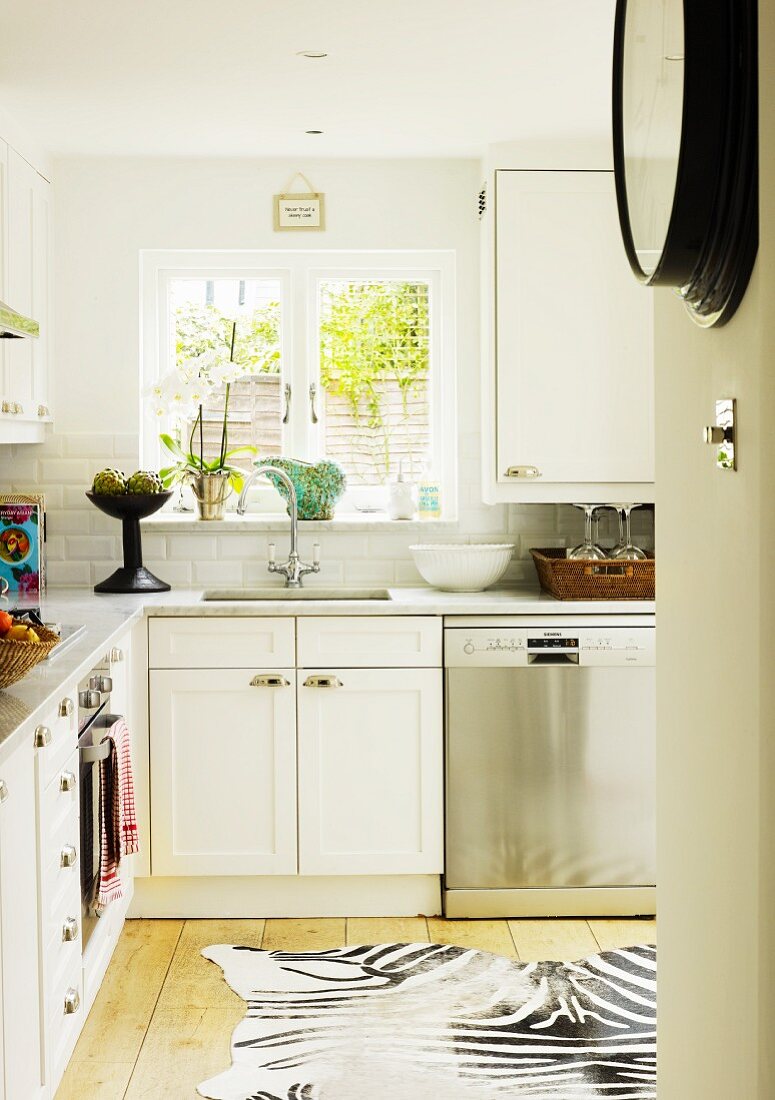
(202, 313)
(374, 372)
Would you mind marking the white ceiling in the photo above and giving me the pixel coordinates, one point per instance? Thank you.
(221, 77)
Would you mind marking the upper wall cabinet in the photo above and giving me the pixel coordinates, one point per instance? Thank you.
(568, 363)
(25, 273)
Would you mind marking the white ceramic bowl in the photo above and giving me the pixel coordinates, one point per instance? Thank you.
(462, 567)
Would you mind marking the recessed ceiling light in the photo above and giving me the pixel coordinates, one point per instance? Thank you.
(313, 131)
(313, 55)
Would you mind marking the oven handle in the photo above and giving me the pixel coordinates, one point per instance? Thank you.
(92, 754)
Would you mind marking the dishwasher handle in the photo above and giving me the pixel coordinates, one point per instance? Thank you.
(557, 658)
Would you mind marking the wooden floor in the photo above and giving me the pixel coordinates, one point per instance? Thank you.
(163, 1018)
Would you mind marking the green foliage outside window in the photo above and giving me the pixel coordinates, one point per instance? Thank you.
(204, 328)
(374, 336)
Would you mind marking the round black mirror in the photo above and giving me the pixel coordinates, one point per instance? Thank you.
(685, 133)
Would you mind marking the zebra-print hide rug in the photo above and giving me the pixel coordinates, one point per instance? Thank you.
(425, 1022)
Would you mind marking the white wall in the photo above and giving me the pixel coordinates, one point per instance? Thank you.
(106, 211)
(715, 677)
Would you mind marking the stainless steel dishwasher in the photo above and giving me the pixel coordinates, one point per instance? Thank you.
(550, 769)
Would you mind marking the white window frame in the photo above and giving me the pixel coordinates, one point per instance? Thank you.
(300, 272)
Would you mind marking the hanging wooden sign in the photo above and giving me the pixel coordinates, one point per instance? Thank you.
(299, 209)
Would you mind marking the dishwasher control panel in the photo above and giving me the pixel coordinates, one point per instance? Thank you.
(514, 647)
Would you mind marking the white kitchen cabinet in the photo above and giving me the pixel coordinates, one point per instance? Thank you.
(223, 771)
(19, 927)
(26, 284)
(568, 385)
(370, 771)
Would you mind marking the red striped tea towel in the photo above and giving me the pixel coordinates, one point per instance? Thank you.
(118, 822)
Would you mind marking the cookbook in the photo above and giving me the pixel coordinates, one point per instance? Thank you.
(22, 536)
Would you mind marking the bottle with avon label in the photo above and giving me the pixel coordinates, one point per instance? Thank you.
(429, 494)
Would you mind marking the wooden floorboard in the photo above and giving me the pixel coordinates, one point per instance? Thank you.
(163, 1018)
(364, 930)
(611, 934)
(563, 940)
(485, 935)
(194, 981)
(118, 1022)
(304, 934)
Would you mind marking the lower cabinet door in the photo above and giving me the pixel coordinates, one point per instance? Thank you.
(19, 920)
(223, 772)
(370, 771)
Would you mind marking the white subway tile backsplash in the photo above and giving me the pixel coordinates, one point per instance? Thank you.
(67, 471)
(176, 573)
(88, 547)
(193, 547)
(92, 446)
(217, 574)
(63, 467)
(68, 574)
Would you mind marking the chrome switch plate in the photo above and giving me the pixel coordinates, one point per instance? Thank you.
(722, 434)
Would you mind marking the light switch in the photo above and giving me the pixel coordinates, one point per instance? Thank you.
(722, 434)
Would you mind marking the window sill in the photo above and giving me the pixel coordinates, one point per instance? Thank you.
(169, 522)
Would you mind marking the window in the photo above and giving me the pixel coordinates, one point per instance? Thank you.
(348, 356)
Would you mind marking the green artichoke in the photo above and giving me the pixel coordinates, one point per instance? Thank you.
(144, 481)
(109, 483)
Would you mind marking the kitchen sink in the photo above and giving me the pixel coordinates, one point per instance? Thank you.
(311, 593)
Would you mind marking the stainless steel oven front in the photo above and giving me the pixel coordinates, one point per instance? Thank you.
(550, 769)
(94, 719)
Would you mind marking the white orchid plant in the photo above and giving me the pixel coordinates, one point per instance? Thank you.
(179, 397)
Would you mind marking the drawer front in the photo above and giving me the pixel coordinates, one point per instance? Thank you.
(217, 642)
(405, 641)
(61, 930)
(64, 1027)
(60, 799)
(57, 735)
(57, 877)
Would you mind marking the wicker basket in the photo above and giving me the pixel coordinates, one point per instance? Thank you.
(579, 579)
(17, 658)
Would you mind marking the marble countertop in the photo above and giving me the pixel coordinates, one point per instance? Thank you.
(106, 617)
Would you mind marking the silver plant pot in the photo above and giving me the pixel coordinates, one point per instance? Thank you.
(211, 492)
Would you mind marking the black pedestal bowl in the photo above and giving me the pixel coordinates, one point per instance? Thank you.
(130, 508)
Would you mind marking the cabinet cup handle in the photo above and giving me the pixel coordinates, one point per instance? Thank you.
(42, 737)
(323, 682)
(70, 930)
(67, 782)
(68, 856)
(4, 792)
(269, 681)
(66, 708)
(72, 1001)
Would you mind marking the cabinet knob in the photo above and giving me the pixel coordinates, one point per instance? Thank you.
(6, 406)
(43, 410)
(70, 930)
(323, 682)
(67, 782)
(17, 408)
(42, 737)
(527, 473)
(4, 792)
(102, 684)
(269, 681)
(68, 856)
(116, 655)
(66, 708)
(72, 1001)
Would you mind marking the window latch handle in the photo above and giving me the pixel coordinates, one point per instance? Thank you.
(313, 391)
(287, 413)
